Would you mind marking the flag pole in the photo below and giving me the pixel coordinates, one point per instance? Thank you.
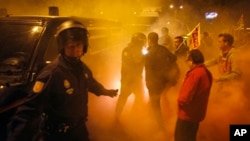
(193, 29)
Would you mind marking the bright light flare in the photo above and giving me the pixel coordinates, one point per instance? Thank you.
(35, 29)
(171, 6)
(144, 51)
(47, 62)
(211, 15)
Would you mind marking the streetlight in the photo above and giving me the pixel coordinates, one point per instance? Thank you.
(176, 8)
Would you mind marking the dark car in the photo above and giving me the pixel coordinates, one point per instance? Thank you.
(27, 44)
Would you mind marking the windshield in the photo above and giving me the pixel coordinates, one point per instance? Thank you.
(16, 45)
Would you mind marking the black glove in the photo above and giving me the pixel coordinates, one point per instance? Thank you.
(111, 93)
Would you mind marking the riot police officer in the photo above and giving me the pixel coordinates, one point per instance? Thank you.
(60, 93)
(133, 62)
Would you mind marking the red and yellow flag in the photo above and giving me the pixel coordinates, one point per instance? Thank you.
(193, 38)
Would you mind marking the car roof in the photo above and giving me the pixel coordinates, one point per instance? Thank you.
(88, 22)
(38, 19)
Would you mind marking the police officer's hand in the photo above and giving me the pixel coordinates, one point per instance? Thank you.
(112, 92)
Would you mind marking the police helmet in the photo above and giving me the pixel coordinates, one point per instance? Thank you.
(138, 38)
(71, 30)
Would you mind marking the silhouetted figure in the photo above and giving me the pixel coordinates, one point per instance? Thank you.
(133, 62)
(162, 72)
(165, 39)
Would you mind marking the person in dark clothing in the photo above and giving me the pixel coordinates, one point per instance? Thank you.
(131, 72)
(193, 97)
(60, 93)
(161, 72)
(181, 49)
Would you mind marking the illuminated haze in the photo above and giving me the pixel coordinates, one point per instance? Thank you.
(228, 106)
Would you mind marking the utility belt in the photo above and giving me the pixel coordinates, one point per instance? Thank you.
(50, 125)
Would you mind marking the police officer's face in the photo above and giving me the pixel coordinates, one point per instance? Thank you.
(73, 49)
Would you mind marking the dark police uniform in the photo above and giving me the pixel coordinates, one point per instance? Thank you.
(59, 97)
(131, 76)
(132, 63)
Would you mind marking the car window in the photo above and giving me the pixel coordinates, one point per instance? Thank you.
(51, 51)
(17, 42)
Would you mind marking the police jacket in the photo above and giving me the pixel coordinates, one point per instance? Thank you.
(132, 63)
(60, 91)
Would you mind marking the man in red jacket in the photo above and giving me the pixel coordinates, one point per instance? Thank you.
(193, 98)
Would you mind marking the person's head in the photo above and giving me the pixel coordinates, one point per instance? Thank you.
(225, 41)
(195, 57)
(178, 40)
(164, 31)
(72, 39)
(153, 38)
(139, 39)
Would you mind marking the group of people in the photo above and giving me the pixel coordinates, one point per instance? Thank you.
(162, 71)
(59, 96)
